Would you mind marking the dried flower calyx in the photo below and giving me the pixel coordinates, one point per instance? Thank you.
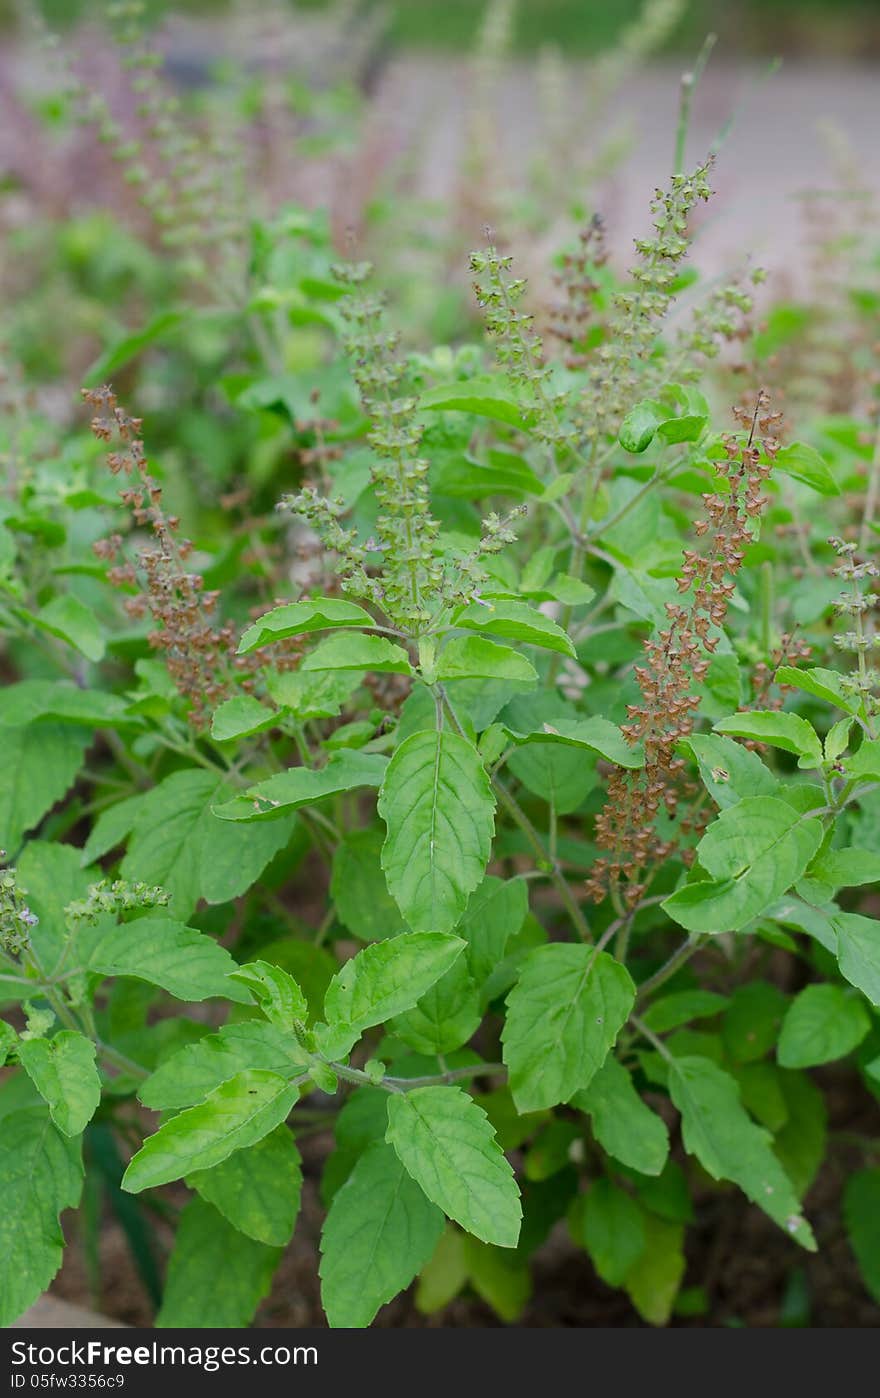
(677, 659)
(572, 315)
(199, 651)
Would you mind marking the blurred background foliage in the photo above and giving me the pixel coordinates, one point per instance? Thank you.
(819, 28)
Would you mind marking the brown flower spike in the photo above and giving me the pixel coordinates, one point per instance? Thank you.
(199, 652)
(676, 660)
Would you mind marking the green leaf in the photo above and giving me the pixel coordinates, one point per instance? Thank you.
(8, 1040)
(379, 1232)
(257, 1189)
(728, 1144)
(445, 1017)
(179, 843)
(667, 1195)
(72, 621)
(755, 851)
(301, 786)
(803, 463)
(504, 473)
(638, 428)
(653, 1281)
(824, 1022)
(800, 1144)
(511, 1128)
(563, 1015)
(311, 966)
(785, 322)
(42, 1176)
(864, 765)
(63, 1071)
(551, 1150)
(822, 684)
(444, 1275)
(845, 868)
(781, 730)
(752, 1021)
(516, 621)
(236, 1114)
(216, 1276)
(240, 718)
(358, 888)
(722, 687)
(475, 701)
(473, 657)
(298, 618)
(861, 1214)
(277, 993)
(437, 804)
(318, 695)
(495, 912)
(729, 771)
(572, 592)
(350, 735)
(446, 1144)
(386, 978)
(52, 875)
(760, 1090)
(37, 765)
(354, 651)
(181, 960)
(483, 397)
(622, 1123)
(193, 1072)
(612, 1229)
(687, 428)
(56, 699)
(558, 487)
(117, 355)
(556, 772)
(112, 828)
(858, 952)
(837, 739)
(500, 1276)
(684, 1042)
(362, 1120)
(595, 734)
(681, 1007)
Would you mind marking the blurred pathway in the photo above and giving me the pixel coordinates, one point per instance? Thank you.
(784, 136)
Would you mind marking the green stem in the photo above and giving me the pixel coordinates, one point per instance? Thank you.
(191, 751)
(326, 924)
(121, 1061)
(689, 82)
(391, 1084)
(658, 477)
(473, 1070)
(669, 968)
(652, 1038)
(552, 867)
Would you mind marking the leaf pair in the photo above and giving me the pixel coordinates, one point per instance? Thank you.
(440, 1156)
